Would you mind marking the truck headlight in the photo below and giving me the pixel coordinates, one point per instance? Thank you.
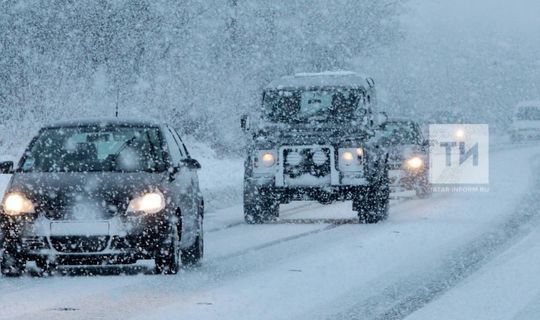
(264, 161)
(152, 202)
(414, 163)
(350, 159)
(268, 159)
(16, 203)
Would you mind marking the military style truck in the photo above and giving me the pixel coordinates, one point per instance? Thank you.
(315, 138)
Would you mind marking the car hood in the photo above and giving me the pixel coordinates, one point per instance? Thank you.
(83, 195)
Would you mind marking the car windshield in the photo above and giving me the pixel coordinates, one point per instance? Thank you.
(528, 113)
(336, 105)
(85, 149)
(400, 133)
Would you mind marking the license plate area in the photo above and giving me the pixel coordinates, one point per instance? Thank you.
(80, 228)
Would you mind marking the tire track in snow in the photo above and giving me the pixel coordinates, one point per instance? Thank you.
(404, 297)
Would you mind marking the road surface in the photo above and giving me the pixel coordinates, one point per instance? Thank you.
(453, 256)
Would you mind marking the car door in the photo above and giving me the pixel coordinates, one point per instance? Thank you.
(182, 186)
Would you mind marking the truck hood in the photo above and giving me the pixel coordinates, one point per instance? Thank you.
(306, 134)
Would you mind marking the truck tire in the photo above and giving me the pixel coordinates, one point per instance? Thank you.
(12, 265)
(260, 205)
(372, 205)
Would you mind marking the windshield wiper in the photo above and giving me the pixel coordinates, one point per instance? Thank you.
(122, 148)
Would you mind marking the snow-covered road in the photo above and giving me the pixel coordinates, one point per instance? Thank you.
(451, 255)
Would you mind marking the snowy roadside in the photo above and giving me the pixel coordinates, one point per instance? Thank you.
(220, 179)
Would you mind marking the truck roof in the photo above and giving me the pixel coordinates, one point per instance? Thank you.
(345, 79)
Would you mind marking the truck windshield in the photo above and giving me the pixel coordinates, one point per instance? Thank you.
(336, 105)
(528, 113)
(85, 149)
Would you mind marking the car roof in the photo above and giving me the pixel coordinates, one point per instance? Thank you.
(345, 79)
(103, 122)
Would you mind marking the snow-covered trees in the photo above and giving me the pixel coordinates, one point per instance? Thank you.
(197, 64)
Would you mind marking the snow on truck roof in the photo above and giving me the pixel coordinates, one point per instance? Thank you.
(102, 122)
(346, 79)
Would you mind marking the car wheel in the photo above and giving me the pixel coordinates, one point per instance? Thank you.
(168, 259)
(373, 204)
(12, 265)
(423, 189)
(260, 206)
(193, 255)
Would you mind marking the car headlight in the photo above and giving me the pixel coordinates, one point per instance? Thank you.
(17, 203)
(414, 163)
(151, 202)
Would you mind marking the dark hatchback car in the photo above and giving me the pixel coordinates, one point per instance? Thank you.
(102, 192)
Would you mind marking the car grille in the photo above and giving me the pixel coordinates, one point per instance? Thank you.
(79, 244)
(64, 213)
(314, 161)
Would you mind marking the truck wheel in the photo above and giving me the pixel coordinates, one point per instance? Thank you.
(12, 265)
(168, 259)
(193, 255)
(373, 204)
(260, 206)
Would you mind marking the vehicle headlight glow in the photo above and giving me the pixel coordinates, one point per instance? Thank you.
(460, 133)
(268, 159)
(415, 163)
(347, 157)
(151, 202)
(17, 203)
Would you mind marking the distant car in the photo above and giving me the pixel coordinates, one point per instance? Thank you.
(102, 191)
(526, 121)
(408, 156)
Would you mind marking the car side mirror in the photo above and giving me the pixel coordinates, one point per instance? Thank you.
(244, 122)
(6, 167)
(191, 163)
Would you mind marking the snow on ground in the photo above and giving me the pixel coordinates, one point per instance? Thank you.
(221, 178)
(315, 263)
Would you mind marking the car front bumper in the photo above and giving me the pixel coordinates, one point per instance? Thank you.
(114, 240)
